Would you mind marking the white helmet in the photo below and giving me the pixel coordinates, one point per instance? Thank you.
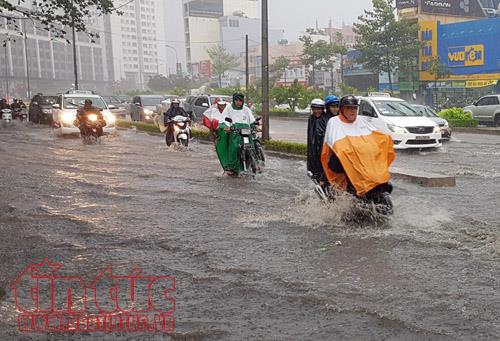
(318, 103)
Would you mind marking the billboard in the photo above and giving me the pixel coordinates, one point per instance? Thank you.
(401, 4)
(467, 51)
(459, 8)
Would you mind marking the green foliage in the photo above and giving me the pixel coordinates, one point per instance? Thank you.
(463, 123)
(438, 70)
(286, 147)
(160, 83)
(348, 90)
(455, 114)
(320, 54)
(278, 68)
(54, 14)
(385, 43)
(222, 61)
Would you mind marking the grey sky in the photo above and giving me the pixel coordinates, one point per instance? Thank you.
(296, 15)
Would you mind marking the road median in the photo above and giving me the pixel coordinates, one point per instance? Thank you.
(298, 151)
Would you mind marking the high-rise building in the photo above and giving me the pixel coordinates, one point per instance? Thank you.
(202, 26)
(137, 42)
(48, 59)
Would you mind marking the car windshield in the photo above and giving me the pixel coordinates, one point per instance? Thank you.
(396, 108)
(47, 100)
(225, 98)
(151, 101)
(77, 102)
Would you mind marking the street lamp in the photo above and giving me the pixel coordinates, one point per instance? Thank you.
(178, 67)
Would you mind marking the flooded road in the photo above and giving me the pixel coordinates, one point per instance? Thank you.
(257, 259)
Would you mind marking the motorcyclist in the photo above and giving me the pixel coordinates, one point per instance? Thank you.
(174, 110)
(229, 141)
(4, 104)
(356, 157)
(316, 128)
(212, 117)
(83, 112)
(332, 105)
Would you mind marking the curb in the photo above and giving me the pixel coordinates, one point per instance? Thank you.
(484, 131)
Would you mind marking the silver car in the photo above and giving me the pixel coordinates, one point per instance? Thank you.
(486, 110)
(430, 113)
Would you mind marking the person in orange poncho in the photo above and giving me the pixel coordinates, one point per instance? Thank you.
(356, 157)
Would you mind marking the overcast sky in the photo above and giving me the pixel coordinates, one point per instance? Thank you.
(296, 15)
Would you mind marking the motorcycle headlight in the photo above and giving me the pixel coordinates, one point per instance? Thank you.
(93, 118)
(147, 112)
(396, 129)
(437, 129)
(68, 117)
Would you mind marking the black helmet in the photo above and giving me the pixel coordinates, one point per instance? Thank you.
(238, 95)
(349, 101)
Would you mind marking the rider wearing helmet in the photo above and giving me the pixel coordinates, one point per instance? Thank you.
(332, 105)
(174, 110)
(212, 117)
(315, 135)
(237, 116)
(356, 157)
(87, 109)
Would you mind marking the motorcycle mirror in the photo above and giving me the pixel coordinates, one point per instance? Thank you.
(228, 119)
(258, 119)
(310, 174)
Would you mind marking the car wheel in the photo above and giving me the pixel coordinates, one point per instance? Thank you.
(497, 121)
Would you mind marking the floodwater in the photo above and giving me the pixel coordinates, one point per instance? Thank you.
(256, 259)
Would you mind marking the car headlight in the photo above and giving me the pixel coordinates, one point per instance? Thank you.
(93, 118)
(68, 117)
(147, 112)
(110, 119)
(437, 129)
(396, 129)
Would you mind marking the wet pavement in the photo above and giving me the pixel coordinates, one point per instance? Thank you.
(257, 259)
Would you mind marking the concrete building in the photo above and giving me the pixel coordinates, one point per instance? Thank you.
(50, 59)
(137, 38)
(202, 25)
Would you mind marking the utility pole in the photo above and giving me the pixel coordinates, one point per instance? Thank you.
(265, 71)
(75, 65)
(26, 56)
(6, 73)
(247, 67)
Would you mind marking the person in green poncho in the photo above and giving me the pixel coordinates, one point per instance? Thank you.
(229, 141)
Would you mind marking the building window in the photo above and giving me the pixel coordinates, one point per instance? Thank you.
(234, 23)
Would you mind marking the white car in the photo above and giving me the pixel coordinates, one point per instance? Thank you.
(64, 112)
(397, 118)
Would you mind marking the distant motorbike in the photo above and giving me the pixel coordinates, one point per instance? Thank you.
(378, 199)
(182, 130)
(6, 115)
(91, 127)
(20, 114)
(252, 156)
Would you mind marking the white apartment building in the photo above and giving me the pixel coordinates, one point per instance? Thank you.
(202, 26)
(137, 42)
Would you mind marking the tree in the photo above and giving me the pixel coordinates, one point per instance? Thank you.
(319, 55)
(439, 71)
(222, 61)
(173, 84)
(54, 15)
(279, 67)
(385, 44)
(288, 95)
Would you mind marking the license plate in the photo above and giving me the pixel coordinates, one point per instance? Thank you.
(423, 137)
(245, 132)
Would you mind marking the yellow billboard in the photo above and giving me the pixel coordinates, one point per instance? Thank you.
(428, 48)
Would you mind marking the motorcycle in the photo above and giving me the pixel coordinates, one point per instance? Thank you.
(182, 130)
(252, 156)
(91, 128)
(377, 200)
(6, 116)
(20, 114)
